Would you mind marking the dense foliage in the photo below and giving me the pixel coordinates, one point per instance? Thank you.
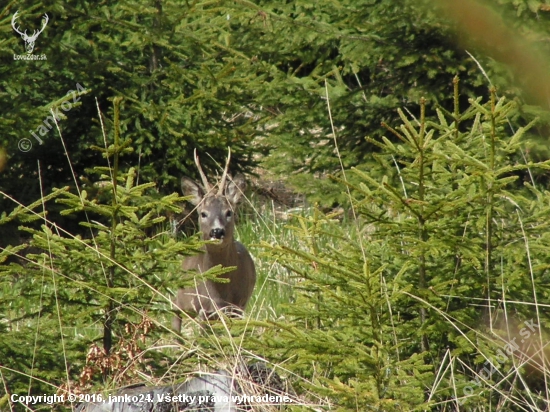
(396, 305)
(447, 256)
(213, 74)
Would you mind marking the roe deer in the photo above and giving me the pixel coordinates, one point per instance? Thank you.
(216, 222)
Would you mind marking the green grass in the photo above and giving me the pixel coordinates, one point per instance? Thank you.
(259, 222)
(262, 221)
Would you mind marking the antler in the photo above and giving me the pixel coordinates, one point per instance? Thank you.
(45, 21)
(35, 34)
(13, 19)
(224, 176)
(205, 183)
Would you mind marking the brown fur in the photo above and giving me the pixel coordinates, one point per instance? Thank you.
(216, 216)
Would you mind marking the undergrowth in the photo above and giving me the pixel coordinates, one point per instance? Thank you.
(429, 295)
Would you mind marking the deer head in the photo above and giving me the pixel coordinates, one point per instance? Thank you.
(215, 204)
(29, 40)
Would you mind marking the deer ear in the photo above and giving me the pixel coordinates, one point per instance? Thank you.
(191, 188)
(235, 188)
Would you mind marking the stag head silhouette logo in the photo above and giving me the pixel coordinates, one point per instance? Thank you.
(29, 40)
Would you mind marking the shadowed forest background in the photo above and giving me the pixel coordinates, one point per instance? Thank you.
(397, 155)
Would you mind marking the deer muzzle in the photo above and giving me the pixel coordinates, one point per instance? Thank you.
(217, 233)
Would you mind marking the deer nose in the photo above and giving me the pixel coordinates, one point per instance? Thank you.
(217, 233)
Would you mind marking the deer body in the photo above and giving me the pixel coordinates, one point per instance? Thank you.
(216, 222)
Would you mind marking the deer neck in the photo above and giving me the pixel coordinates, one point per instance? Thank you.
(216, 255)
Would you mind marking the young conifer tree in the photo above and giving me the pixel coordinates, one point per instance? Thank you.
(83, 308)
(449, 244)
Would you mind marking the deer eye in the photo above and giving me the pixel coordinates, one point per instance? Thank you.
(204, 215)
(229, 213)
